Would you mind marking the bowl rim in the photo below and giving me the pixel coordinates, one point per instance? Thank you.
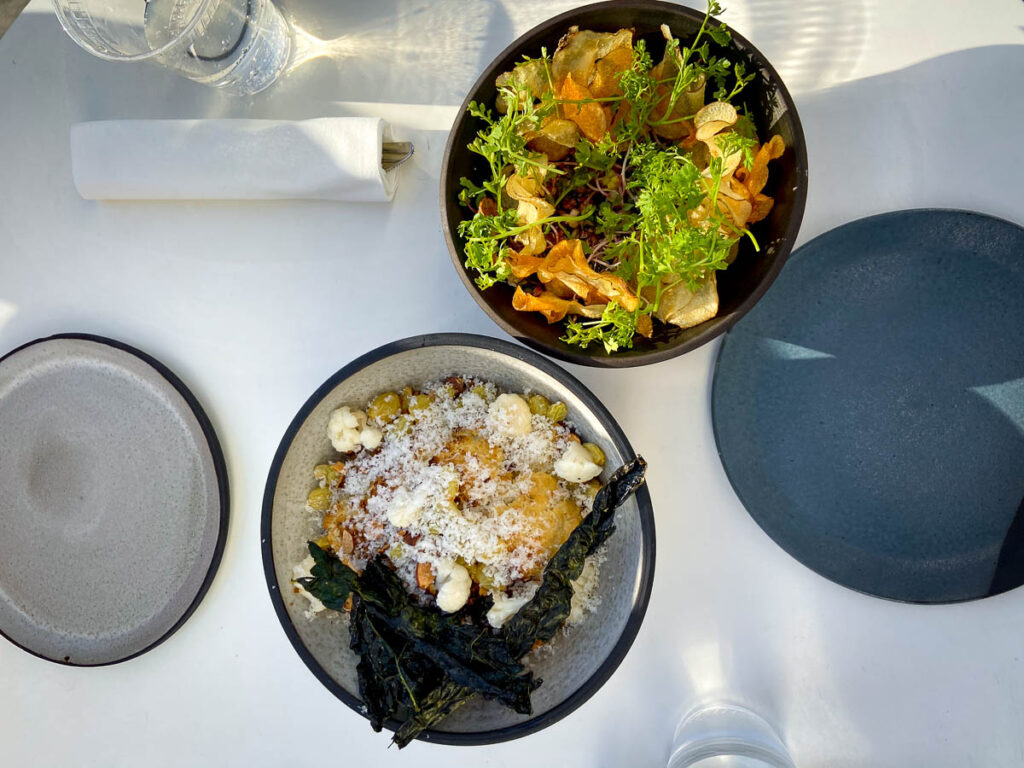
(599, 360)
(642, 496)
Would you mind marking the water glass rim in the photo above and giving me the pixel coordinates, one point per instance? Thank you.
(85, 22)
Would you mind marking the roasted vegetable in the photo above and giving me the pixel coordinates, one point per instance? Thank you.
(407, 649)
(423, 663)
(541, 618)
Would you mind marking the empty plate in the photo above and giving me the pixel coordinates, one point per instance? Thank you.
(113, 500)
(869, 411)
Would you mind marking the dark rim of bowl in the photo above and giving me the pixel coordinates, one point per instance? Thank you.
(643, 500)
(220, 470)
(725, 322)
(716, 397)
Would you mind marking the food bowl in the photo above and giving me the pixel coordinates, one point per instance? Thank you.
(741, 285)
(572, 666)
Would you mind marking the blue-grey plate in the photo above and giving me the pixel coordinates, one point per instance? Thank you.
(113, 500)
(869, 411)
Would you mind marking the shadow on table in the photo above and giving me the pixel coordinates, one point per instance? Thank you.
(813, 44)
(939, 133)
(897, 140)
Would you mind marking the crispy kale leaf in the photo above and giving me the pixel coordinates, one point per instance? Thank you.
(406, 650)
(541, 618)
(423, 663)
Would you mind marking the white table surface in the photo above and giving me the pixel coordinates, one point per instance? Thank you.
(907, 104)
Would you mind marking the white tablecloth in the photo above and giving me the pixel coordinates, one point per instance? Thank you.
(904, 104)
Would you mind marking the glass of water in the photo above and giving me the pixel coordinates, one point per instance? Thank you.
(240, 46)
(727, 736)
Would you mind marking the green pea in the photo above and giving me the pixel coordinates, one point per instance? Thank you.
(595, 453)
(384, 407)
(558, 411)
(538, 405)
(319, 499)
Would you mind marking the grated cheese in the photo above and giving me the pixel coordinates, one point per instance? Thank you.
(467, 481)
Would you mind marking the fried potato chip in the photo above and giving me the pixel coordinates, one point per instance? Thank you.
(527, 77)
(737, 210)
(759, 172)
(762, 205)
(776, 147)
(523, 264)
(551, 306)
(556, 138)
(684, 308)
(578, 52)
(731, 161)
(734, 188)
(686, 104)
(559, 273)
(607, 71)
(698, 217)
(589, 117)
(700, 156)
(620, 58)
(675, 126)
(714, 118)
(688, 140)
(524, 187)
(532, 242)
(644, 326)
(533, 210)
(566, 264)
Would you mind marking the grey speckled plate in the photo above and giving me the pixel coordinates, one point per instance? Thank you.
(575, 665)
(869, 411)
(113, 500)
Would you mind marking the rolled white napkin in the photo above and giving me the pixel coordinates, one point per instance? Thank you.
(328, 158)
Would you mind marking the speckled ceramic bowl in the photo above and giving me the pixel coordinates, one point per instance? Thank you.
(575, 666)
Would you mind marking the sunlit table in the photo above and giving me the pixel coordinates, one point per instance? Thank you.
(904, 104)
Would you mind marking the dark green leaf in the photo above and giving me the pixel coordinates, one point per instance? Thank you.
(330, 580)
(541, 618)
(544, 614)
(437, 705)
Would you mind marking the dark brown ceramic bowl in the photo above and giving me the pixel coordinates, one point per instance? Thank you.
(742, 284)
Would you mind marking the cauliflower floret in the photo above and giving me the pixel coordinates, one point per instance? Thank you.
(504, 608)
(453, 584)
(406, 508)
(349, 431)
(577, 465)
(302, 570)
(370, 437)
(510, 415)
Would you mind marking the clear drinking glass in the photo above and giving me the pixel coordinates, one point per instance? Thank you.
(727, 736)
(240, 46)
